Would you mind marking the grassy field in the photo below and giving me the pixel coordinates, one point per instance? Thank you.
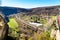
(12, 23)
(13, 27)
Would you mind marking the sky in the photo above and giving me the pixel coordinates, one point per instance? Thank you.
(29, 3)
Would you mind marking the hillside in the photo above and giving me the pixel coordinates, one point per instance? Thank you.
(52, 10)
(19, 22)
(11, 10)
(3, 28)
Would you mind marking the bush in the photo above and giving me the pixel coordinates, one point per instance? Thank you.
(42, 36)
(43, 21)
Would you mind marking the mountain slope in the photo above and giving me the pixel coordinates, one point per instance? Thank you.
(53, 10)
(11, 10)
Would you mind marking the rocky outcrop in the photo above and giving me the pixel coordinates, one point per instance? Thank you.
(3, 28)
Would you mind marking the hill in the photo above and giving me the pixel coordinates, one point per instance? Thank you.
(52, 10)
(39, 10)
(11, 10)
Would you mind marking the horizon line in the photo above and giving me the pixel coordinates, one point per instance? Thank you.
(31, 7)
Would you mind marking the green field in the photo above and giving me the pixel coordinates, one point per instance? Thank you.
(12, 23)
(13, 27)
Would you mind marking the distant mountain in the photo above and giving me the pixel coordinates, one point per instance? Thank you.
(52, 10)
(11, 10)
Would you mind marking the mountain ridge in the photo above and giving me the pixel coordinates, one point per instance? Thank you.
(38, 10)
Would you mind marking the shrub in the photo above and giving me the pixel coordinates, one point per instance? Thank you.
(42, 36)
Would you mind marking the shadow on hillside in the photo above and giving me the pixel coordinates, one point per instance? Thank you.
(10, 38)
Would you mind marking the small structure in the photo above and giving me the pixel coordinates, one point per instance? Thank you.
(35, 24)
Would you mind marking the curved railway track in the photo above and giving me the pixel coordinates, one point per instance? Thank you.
(26, 25)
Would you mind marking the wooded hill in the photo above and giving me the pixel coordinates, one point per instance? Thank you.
(52, 10)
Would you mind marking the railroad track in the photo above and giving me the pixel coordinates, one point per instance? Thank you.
(31, 27)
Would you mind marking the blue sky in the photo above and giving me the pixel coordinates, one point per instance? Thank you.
(30, 3)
